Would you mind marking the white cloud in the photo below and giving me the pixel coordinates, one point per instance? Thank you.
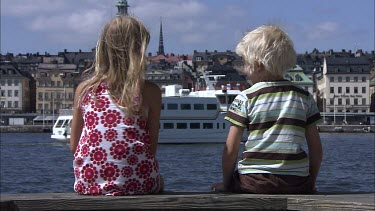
(323, 30)
(23, 8)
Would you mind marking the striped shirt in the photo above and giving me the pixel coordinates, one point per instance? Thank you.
(276, 115)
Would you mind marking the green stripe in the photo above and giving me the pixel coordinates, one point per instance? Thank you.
(278, 94)
(278, 127)
(253, 161)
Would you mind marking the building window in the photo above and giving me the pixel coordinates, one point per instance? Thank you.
(2, 93)
(2, 81)
(331, 101)
(172, 106)
(168, 125)
(363, 89)
(9, 82)
(347, 101)
(40, 106)
(355, 101)
(363, 79)
(340, 79)
(340, 90)
(355, 90)
(40, 95)
(52, 83)
(208, 126)
(9, 93)
(16, 104)
(181, 125)
(9, 104)
(185, 106)
(331, 79)
(198, 106)
(211, 106)
(347, 79)
(15, 82)
(46, 95)
(58, 83)
(355, 79)
(198, 59)
(347, 90)
(332, 90)
(3, 105)
(195, 125)
(363, 101)
(16, 93)
(340, 101)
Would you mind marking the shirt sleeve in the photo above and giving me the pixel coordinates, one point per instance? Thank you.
(238, 113)
(313, 114)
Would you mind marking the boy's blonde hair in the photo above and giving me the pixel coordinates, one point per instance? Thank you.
(270, 46)
(120, 61)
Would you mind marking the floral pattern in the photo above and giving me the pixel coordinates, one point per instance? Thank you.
(113, 156)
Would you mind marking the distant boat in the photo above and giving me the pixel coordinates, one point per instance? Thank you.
(61, 128)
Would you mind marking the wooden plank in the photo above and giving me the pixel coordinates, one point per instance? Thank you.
(163, 201)
(172, 200)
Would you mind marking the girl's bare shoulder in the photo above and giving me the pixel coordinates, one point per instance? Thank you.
(151, 89)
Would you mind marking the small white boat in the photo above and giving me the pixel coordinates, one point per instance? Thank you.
(61, 128)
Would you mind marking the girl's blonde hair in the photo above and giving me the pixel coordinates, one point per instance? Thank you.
(120, 62)
(270, 46)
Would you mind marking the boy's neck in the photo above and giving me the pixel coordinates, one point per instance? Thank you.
(266, 78)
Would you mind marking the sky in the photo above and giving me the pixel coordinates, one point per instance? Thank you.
(30, 26)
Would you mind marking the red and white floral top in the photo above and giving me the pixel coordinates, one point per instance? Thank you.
(113, 155)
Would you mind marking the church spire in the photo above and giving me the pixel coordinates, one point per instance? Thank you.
(161, 44)
(122, 6)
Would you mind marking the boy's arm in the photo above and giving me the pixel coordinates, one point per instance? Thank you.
(230, 154)
(315, 150)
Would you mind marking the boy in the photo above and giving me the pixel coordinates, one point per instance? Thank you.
(279, 117)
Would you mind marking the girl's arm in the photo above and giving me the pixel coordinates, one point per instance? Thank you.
(77, 121)
(315, 150)
(152, 99)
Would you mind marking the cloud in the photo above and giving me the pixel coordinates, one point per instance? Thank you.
(323, 30)
(22, 8)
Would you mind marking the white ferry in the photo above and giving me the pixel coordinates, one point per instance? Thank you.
(186, 116)
(61, 128)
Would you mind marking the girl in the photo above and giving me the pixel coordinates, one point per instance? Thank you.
(114, 132)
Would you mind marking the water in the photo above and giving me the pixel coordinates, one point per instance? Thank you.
(34, 163)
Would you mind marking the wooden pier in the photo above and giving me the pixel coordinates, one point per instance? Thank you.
(188, 201)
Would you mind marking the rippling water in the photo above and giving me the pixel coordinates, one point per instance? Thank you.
(34, 163)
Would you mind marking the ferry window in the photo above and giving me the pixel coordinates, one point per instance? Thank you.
(195, 125)
(181, 126)
(208, 126)
(59, 123)
(223, 125)
(211, 107)
(217, 125)
(162, 106)
(198, 107)
(168, 125)
(172, 106)
(185, 106)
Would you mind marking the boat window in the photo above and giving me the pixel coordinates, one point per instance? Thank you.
(172, 106)
(181, 126)
(223, 125)
(185, 106)
(208, 126)
(211, 106)
(217, 125)
(198, 107)
(168, 125)
(59, 123)
(162, 106)
(195, 125)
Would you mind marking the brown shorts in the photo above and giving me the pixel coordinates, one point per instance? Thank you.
(271, 184)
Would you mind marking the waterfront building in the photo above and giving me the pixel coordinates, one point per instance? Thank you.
(15, 87)
(345, 86)
(201, 60)
(55, 87)
(299, 78)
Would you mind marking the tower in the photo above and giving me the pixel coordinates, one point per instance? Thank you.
(161, 45)
(122, 6)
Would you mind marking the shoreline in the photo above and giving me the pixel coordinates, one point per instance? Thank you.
(321, 128)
